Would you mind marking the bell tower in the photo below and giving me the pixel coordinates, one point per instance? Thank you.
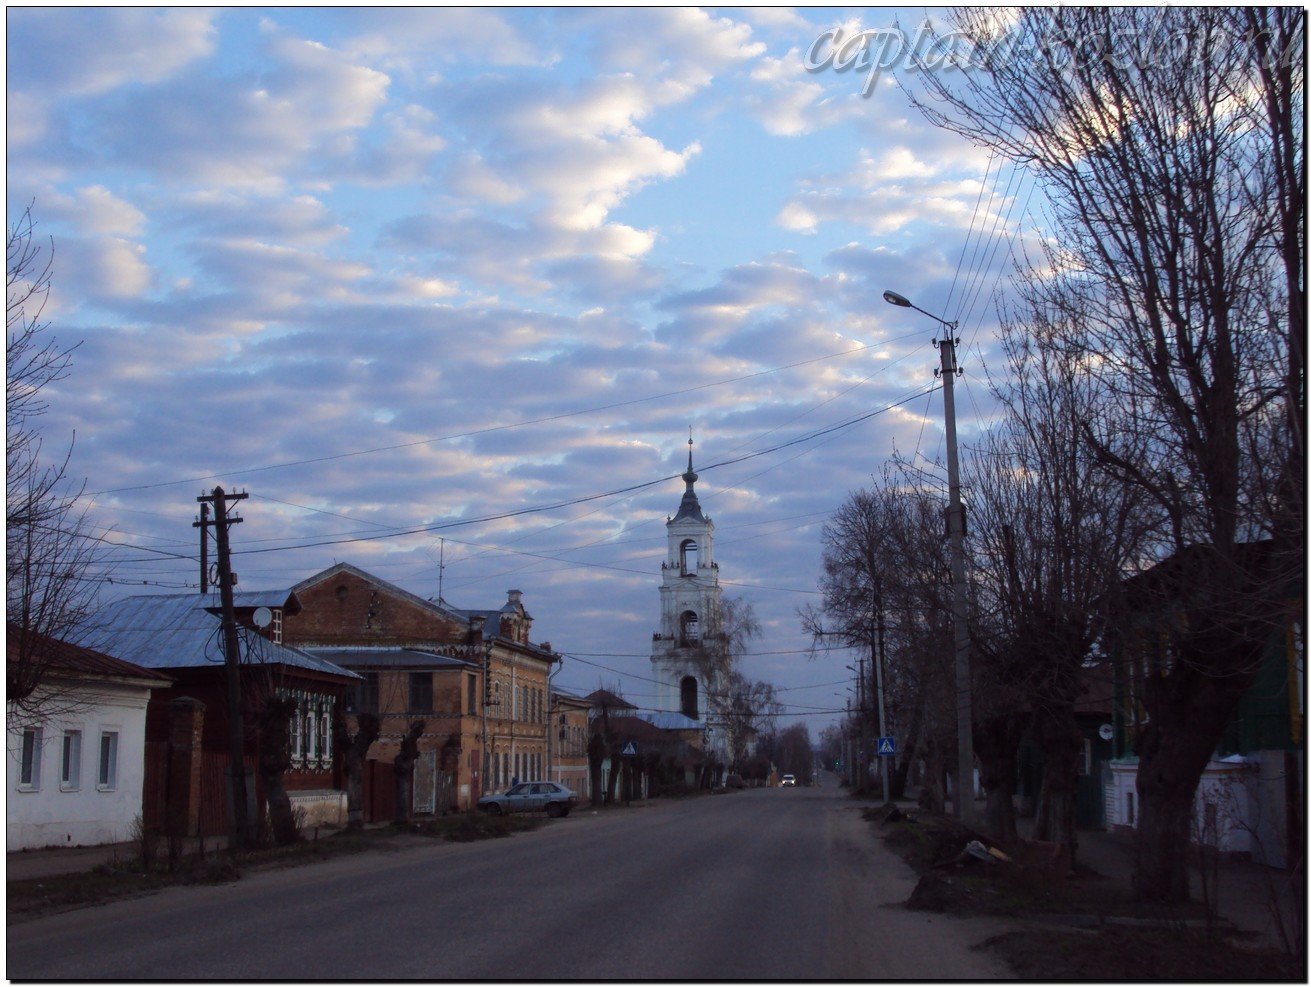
(689, 607)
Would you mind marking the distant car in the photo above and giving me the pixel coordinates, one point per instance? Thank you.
(734, 781)
(789, 781)
(531, 796)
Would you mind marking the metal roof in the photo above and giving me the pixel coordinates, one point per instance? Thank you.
(375, 657)
(671, 721)
(182, 631)
(62, 657)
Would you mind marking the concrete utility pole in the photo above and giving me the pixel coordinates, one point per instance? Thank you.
(956, 531)
(964, 800)
(232, 664)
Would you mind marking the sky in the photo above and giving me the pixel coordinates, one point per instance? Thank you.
(478, 272)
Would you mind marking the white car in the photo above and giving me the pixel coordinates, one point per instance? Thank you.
(531, 796)
(789, 781)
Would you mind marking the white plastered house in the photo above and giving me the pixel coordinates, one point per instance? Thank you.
(76, 748)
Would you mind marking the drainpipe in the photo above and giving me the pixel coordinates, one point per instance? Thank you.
(558, 660)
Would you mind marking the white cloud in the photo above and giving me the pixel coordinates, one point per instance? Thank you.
(93, 210)
(248, 131)
(100, 269)
(55, 52)
(789, 102)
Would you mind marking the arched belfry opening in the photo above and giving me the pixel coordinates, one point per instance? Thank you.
(687, 554)
(687, 697)
(689, 631)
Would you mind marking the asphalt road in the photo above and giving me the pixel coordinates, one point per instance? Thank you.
(757, 885)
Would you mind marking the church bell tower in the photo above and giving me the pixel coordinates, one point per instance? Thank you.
(689, 608)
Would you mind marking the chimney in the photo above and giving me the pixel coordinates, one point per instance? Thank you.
(476, 623)
(515, 596)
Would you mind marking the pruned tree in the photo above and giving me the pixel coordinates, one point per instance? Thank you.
(273, 719)
(50, 552)
(1171, 148)
(352, 749)
(403, 767)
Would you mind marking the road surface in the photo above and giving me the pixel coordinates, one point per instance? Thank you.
(757, 884)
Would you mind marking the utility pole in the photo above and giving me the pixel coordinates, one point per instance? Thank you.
(232, 663)
(964, 800)
(876, 655)
(956, 532)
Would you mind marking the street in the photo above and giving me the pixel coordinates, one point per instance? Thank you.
(756, 884)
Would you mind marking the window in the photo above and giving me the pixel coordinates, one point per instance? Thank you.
(687, 697)
(473, 695)
(421, 692)
(366, 693)
(276, 627)
(108, 777)
(29, 772)
(70, 764)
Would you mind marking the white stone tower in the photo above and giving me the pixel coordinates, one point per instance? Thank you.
(689, 608)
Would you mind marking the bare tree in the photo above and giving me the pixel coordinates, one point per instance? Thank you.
(50, 552)
(886, 583)
(1052, 534)
(745, 709)
(1170, 145)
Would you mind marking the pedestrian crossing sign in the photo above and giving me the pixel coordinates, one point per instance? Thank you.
(630, 749)
(887, 746)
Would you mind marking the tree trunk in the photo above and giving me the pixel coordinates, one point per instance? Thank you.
(404, 768)
(353, 750)
(274, 758)
(1062, 745)
(596, 755)
(933, 795)
(1174, 748)
(997, 742)
(906, 757)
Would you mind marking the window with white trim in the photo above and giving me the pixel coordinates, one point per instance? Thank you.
(70, 762)
(29, 768)
(107, 778)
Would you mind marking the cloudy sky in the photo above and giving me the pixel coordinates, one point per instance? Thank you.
(450, 269)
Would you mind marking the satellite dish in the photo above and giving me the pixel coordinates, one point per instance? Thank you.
(262, 617)
(1105, 731)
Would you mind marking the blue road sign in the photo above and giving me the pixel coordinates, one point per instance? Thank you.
(630, 749)
(887, 746)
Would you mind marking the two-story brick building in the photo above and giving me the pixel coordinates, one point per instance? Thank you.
(569, 736)
(473, 676)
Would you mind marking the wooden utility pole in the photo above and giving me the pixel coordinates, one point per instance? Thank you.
(240, 833)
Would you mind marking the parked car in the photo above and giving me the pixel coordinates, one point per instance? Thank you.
(789, 781)
(531, 796)
(734, 781)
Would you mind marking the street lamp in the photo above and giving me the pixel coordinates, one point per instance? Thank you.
(956, 532)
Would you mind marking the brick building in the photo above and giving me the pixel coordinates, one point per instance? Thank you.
(474, 677)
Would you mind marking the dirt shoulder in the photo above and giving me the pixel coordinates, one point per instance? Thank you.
(1074, 926)
(151, 870)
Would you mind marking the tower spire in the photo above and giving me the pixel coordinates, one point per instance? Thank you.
(690, 506)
